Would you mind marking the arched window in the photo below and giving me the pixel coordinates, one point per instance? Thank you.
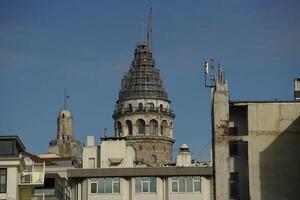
(153, 159)
(153, 127)
(151, 106)
(141, 107)
(141, 126)
(161, 107)
(163, 127)
(129, 127)
(130, 107)
(140, 148)
(119, 129)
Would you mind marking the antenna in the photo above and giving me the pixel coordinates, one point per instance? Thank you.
(65, 99)
(209, 70)
(149, 31)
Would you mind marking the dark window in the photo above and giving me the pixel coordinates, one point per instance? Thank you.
(129, 127)
(161, 107)
(233, 131)
(141, 126)
(234, 185)
(233, 148)
(3, 180)
(141, 106)
(129, 107)
(6, 147)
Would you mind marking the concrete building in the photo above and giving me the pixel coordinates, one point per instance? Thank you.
(109, 172)
(256, 146)
(18, 173)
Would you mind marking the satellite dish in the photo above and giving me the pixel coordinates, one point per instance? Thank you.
(28, 161)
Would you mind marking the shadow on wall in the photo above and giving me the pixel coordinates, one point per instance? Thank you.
(280, 166)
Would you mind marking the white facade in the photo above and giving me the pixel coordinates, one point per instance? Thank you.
(114, 153)
(12, 182)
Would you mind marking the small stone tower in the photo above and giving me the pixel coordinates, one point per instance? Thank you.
(65, 144)
(142, 113)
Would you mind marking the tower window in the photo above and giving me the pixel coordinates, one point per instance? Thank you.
(130, 107)
(141, 106)
(163, 127)
(161, 107)
(153, 127)
(119, 129)
(153, 159)
(141, 126)
(129, 127)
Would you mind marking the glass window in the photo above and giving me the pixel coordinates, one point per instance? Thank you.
(138, 184)
(101, 185)
(3, 180)
(189, 184)
(152, 184)
(197, 184)
(93, 188)
(108, 185)
(174, 186)
(186, 184)
(105, 185)
(116, 185)
(145, 184)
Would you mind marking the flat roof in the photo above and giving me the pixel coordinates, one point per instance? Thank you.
(14, 137)
(262, 101)
(140, 171)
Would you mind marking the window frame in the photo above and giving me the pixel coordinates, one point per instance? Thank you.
(4, 170)
(114, 180)
(148, 181)
(176, 181)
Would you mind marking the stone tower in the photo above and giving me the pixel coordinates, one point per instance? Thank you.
(65, 144)
(142, 113)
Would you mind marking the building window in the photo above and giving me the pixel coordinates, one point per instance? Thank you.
(234, 185)
(186, 184)
(105, 185)
(129, 127)
(153, 127)
(233, 148)
(163, 127)
(153, 159)
(119, 129)
(145, 184)
(233, 131)
(130, 107)
(141, 126)
(3, 180)
(141, 107)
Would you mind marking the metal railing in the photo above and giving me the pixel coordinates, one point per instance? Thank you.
(33, 175)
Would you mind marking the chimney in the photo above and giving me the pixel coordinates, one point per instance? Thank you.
(297, 89)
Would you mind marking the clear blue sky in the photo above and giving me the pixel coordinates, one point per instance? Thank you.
(87, 46)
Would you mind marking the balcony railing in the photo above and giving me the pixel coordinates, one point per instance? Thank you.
(165, 111)
(33, 174)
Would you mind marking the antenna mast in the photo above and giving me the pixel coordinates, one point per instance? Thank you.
(65, 99)
(149, 31)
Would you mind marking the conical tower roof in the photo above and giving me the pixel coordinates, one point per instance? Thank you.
(143, 78)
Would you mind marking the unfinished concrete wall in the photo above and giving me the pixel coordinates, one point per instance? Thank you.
(274, 146)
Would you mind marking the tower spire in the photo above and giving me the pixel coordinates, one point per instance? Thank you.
(149, 31)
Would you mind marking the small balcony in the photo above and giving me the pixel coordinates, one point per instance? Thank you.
(135, 110)
(32, 174)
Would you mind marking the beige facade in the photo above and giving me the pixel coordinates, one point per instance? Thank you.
(117, 176)
(65, 144)
(256, 147)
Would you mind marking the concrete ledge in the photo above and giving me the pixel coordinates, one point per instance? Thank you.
(134, 172)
